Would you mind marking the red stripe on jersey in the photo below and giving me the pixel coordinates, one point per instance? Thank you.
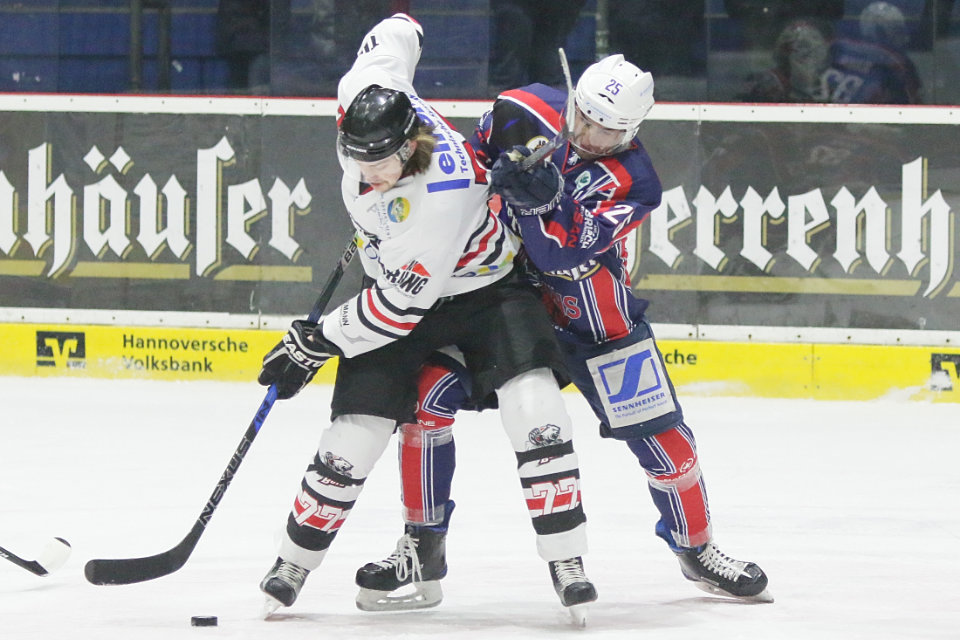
(371, 306)
(536, 104)
(556, 231)
(479, 171)
(605, 289)
(340, 114)
(624, 179)
(484, 242)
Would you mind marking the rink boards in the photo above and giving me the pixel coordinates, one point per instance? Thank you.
(761, 367)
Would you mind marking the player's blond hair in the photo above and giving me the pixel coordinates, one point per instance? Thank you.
(419, 160)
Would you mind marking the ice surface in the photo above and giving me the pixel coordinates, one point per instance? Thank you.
(850, 507)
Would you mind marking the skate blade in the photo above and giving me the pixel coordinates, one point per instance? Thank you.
(578, 614)
(763, 597)
(54, 555)
(270, 606)
(425, 595)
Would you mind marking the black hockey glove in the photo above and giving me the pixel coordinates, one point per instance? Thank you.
(528, 193)
(296, 359)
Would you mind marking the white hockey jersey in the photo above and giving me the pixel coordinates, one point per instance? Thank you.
(428, 237)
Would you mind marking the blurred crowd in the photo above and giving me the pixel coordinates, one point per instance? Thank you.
(839, 51)
(831, 51)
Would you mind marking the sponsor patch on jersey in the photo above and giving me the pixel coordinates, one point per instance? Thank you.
(398, 210)
(411, 278)
(590, 232)
(580, 272)
(582, 181)
(632, 384)
(417, 268)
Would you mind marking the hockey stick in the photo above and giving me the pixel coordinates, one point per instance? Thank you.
(131, 570)
(53, 556)
(566, 128)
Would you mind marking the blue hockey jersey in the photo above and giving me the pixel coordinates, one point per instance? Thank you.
(578, 249)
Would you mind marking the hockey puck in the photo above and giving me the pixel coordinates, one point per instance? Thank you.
(203, 621)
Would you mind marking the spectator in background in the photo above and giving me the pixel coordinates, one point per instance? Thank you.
(801, 55)
(665, 37)
(524, 39)
(309, 53)
(943, 12)
(873, 69)
(763, 21)
(243, 39)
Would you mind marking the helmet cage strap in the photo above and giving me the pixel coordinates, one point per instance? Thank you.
(405, 151)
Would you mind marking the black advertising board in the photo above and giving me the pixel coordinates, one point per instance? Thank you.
(777, 216)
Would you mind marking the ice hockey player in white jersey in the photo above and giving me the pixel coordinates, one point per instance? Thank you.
(441, 270)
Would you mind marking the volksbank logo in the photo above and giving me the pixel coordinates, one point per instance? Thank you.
(62, 350)
(629, 378)
(944, 368)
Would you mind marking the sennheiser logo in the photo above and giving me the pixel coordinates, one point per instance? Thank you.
(62, 350)
(632, 384)
(944, 368)
(630, 378)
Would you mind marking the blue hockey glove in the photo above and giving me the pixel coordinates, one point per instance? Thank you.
(296, 359)
(528, 193)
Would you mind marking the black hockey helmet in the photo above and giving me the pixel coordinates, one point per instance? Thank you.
(377, 124)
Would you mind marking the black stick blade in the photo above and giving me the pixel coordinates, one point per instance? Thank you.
(133, 570)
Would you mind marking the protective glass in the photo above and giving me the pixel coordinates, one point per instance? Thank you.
(380, 174)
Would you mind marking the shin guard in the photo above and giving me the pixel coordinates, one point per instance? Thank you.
(535, 418)
(676, 485)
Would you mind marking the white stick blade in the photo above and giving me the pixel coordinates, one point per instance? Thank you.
(54, 555)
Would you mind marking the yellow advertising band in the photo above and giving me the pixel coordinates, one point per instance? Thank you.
(697, 367)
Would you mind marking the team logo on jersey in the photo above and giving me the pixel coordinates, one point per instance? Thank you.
(582, 181)
(536, 142)
(61, 349)
(632, 384)
(398, 210)
(544, 436)
(338, 464)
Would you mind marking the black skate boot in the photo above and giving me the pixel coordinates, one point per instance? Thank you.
(573, 587)
(282, 585)
(719, 574)
(420, 560)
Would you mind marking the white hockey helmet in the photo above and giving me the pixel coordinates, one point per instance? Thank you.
(615, 94)
(884, 23)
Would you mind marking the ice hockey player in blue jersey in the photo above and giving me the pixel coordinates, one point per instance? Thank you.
(874, 69)
(574, 214)
(871, 69)
(441, 272)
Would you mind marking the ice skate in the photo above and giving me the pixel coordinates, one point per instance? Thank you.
(716, 573)
(573, 587)
(282, 585)
(409, 578)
